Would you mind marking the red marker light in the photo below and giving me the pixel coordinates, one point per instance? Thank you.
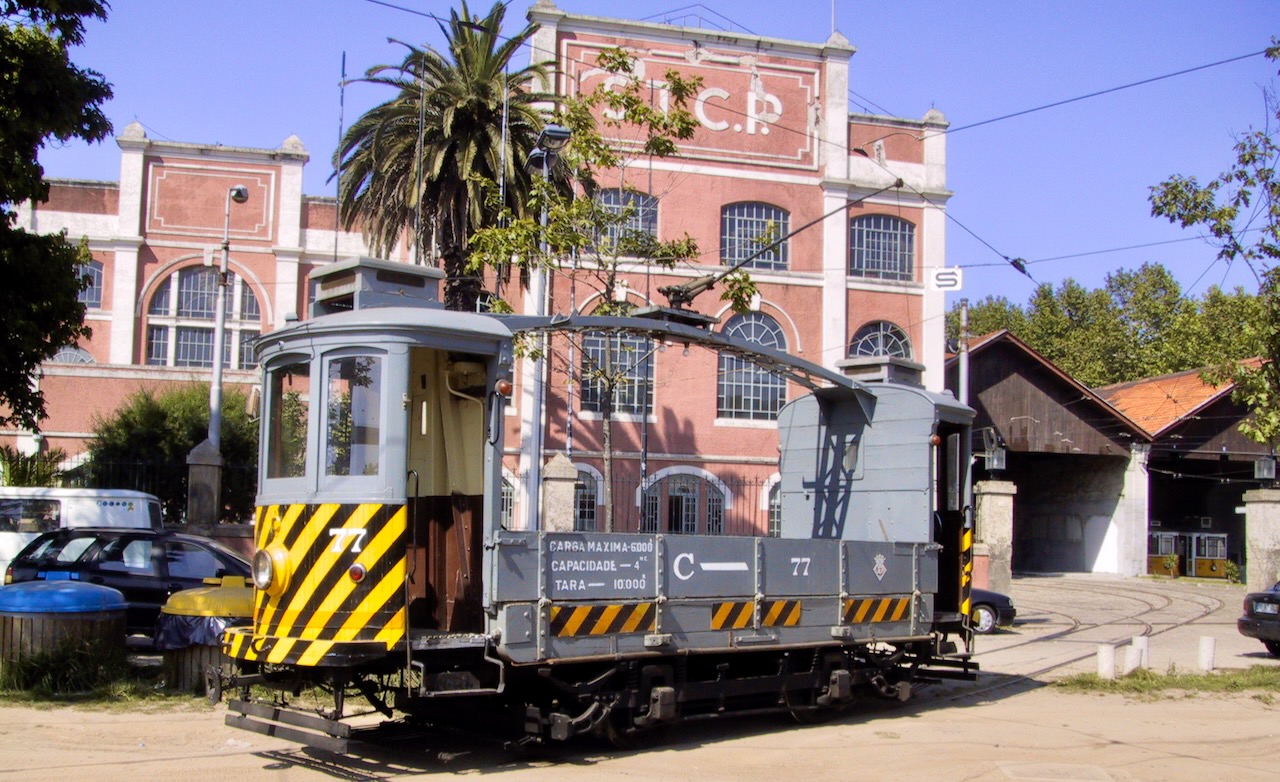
(357, 572)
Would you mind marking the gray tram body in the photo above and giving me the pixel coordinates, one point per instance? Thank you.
(391, 576)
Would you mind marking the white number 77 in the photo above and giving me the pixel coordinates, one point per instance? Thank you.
(341, 535)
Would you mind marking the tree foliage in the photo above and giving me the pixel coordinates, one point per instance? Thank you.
(1239, 210)
(37, 469)
(153, 433)
(569, 230)
(417, 162)
(43, 97)
(1137, 325)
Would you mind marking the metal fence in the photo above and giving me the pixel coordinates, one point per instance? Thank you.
(168, 481)
(679, 504)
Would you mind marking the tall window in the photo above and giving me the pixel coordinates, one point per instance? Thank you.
(288, 403)
(746, 228)
(584, 502)
(91, 296)
(180, 320)
(880, 338)
(745, 390)
(775, 510)
(624, 358)
(640, 218)
(354, 416)
(883, 247)
(507, 506)
(683, 505)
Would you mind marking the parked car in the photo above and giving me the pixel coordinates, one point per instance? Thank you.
(26, 511)
(147, 566)
(989, 610)
(1261, 618)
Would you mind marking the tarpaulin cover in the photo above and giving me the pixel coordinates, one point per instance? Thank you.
(175, 631)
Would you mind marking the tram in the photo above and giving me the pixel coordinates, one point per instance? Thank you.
(386, 579)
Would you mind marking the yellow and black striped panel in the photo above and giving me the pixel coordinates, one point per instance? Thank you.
(966, 569)
(608, 619)
(321, 602)
(239, 643)
(738, 614)
(862, 610)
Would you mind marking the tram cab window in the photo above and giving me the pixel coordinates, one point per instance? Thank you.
(353, 415)
(289, 388)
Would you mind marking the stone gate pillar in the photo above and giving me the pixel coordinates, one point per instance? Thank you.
(559, 477)
(1262, 538)
(994, 518)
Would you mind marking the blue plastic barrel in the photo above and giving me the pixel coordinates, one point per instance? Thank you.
(40, 616)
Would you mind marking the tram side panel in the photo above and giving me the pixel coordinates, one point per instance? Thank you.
(623, 594)
(856, 560)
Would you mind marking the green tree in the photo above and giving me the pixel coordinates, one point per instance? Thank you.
(991, 314)
(44, 96)
(417, 162)
(599, 239)
(1197, 337)
(1240, 211)
(145, 442)
(1138, 325)
(37, 469)
(1077, 329)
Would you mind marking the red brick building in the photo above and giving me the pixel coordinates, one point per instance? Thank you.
(695, 443)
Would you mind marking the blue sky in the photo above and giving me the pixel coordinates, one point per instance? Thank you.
(1066, 181)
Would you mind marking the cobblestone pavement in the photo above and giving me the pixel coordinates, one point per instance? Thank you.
(1006, 726)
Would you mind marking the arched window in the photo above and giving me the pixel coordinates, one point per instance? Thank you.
(91, 296)
(683, 505)
(180, 320)
(639, 212)
(882, 247)
(70, 354)
(626, 360)
(880, 338)
(585, 501)
(744, 390)
(747, 227)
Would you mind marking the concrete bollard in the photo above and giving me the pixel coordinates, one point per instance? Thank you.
(1143, 644)
(1132, 660)
(1206, 652)
(1106, 662)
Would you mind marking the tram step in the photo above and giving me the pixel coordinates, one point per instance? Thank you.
(307, 729)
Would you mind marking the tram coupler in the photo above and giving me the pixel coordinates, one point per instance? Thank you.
(839, 688)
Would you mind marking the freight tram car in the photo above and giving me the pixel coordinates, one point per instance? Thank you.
(383, 571)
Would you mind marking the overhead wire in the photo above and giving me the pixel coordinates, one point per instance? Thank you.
(1017, 263)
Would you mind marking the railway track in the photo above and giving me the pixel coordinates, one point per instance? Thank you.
(1062, 622)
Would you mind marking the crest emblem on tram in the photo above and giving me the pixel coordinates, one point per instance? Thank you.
(880, 569)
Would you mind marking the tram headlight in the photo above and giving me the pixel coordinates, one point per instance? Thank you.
(271, 570)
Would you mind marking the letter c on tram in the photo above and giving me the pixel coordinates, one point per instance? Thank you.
(675, 566)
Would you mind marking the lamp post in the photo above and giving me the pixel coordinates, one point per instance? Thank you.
(542, 157)
(238, 194)
(204, 463)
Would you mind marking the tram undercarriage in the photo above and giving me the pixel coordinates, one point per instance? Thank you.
(467, 689)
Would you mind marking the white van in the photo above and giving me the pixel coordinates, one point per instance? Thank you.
(26, 512)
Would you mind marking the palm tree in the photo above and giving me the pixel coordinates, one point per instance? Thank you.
(420, 161)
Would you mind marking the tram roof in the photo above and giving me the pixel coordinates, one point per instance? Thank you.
(806, 373)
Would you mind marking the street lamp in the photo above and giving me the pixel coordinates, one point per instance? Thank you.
(542, 157)
(238, 194)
